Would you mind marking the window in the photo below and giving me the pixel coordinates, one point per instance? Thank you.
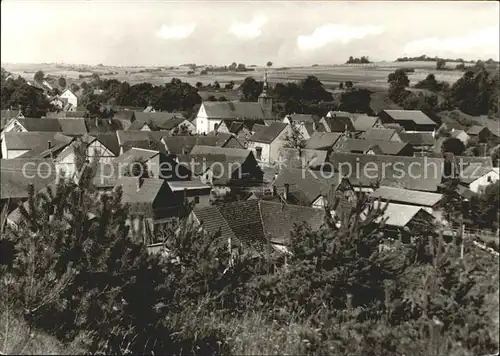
(258, 151)
(196, 200)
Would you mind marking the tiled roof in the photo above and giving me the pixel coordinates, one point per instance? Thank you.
(417, 116)
(144, 144)
(137, 135)
(416, 173)
(135, 154)
(141, 200)
(184, 144)
(124, 115)
(418, 138)
(257, 128)
(213, 150)
(322, 140)
(310, 184)
(245, 220)
(363, 146)
(293, 159)
(162, 120)
(268, 134)
(9, 114)
(235, 110)
(73, 126)
(95, 126)
(412, 197)
(46, 125)
(378, 134)
(137, 125)
(31, 140)
(279, 220)
(223, 138)
(14, 182)
(213, 222)
(303, 118)
(109, 140)
(339, 123)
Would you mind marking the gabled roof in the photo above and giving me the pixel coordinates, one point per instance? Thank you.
(476, 129)
(417, 116)
(411, 197)
(235, 110)
(73, 126)
(310, 185)
(138, 135)
(184, 144)
(14, 182)
(269, 134)
(223, 138)
(378, 134)
(31, 140)
(95, 126)
(255, 222)
(46, 125)
(235, 126)
(137, 125)
(399, 215)
(258, 127)
(135, 154)
(322, 140)
(160, 119)
(363, 123)
(214, 150)
(415, 173)
(109, 140)
(291, 157)
(363, 146)
(279, 220)
(144, 144)
(474, 172)
(147, 193)
(339, 123)
(298, 118)
(9, 114)
(418, 138)
(124, 115)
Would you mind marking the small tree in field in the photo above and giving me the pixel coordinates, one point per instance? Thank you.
(440, 64)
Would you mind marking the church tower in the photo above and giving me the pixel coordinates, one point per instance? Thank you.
(265, 100)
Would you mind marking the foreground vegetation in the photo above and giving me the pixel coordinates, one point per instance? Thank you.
(76, 280)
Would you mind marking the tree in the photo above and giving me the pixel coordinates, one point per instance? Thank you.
(199, 85)
(251, 89)
(295, 139)
(229, 85)
(341, 85)
(74, 87)
(39, 76)
(398, 82)
(216, 85)
(269, 64)
(62, 82)
(356, 101)
(440, 64)
(453, 145)
(349, 84)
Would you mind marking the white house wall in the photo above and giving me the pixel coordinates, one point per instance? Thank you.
(480, 183)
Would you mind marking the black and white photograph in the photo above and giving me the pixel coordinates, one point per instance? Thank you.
(250, 177)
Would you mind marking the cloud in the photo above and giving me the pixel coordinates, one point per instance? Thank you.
(336, 33)
(248, 30)
(486, 39)
(175, 32)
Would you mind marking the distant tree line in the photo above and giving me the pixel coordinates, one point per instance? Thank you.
(425, 58)
(362, 60)
(308, 96)
(476, 93)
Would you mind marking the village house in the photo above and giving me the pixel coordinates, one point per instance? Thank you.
(428, 201)
(226, 140)
(17, 175)
(479, 133)
(99, 149)
(211, 114)
(303, 187)
(223, 166)
(295, 158)
(15, 144)
(243, 130)
(421, 141)
(156, 165)
(337, 124)
(71, 97)
(154, 203)
(410, 120)
(354, 145)
(255, 224)
(367, 172)
(402, 221)
(70, 126)
(323, 140)
(265, 144)
(477, 177)
(381, 134)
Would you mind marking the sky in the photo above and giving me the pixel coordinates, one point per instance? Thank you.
(161, 33)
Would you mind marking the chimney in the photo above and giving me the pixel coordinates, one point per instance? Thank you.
(286, 191)
(139, 183)
(49, 144)
(149, 143)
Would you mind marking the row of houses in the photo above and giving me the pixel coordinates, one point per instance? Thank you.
(233, 147)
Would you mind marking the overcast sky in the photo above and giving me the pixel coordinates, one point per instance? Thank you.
(287, 33)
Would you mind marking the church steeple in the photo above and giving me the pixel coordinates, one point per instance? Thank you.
(265, 100)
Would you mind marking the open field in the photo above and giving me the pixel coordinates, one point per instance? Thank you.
(373, 76)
